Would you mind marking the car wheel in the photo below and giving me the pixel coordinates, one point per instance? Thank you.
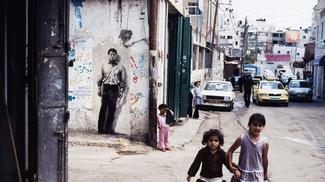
(230, 107)
(286, 104)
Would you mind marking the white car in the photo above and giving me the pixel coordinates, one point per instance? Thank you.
(218, 94)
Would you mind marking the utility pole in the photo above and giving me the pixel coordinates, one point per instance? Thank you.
(153, 73)
(256, 45)
(256, 38)
(243, 59)
(215, 24)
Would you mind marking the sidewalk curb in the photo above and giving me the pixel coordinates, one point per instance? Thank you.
(180, 134)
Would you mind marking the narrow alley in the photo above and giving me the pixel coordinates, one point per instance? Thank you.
(296, 148)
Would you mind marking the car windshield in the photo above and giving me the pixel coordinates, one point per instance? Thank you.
(299, 85)
(271, 85)
(218, 86)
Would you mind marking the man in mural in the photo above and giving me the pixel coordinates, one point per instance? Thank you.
(111, 86)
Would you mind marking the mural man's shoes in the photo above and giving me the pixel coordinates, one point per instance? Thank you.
(110, 132)
(101, 132)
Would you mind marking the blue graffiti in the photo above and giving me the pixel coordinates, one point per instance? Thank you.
(141, 62)
(78, 16)
(71, 98)
(83, 69)
(72, 55)
(77, 3)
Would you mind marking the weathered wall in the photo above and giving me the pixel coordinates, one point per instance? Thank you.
(96, 26)
(162, 46)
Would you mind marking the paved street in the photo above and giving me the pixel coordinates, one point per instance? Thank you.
(296, 135)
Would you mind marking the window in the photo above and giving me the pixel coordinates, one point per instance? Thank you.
(317, 35)
(279, 52)
(229, 37)
(201, 58)
(236, 43)
(194, 58)
(304, 37)
(298, 54)
(322, 32)
(193, 9)
(288, 52)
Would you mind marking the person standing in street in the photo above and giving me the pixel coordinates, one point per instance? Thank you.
(212, 158)
(197, 99)
(190, 102)
(232, 80)
(240, 83)
(253, 157)
(111, 86)
(165, 119)
(248, 84)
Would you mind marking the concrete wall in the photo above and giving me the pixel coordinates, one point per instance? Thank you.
(162, 46)
(96, 26)
(318, 75)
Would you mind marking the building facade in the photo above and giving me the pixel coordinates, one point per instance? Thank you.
(97, 26)
(319, 61)
(206, 63)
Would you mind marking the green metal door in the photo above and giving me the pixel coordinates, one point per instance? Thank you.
(185, 68)
(174, 62)
(179, 56)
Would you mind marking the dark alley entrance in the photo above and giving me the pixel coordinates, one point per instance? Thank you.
(33, 82)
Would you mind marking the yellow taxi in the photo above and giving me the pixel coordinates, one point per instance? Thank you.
(270, 92)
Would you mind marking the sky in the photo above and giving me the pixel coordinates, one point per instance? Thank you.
(281, 13)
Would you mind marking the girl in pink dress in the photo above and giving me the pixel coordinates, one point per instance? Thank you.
(164, 120)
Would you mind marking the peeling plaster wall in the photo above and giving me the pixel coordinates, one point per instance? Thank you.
(96, 26)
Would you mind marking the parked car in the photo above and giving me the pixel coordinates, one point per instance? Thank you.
(270, 92)
(300, 90)
(268, 75)
(285, 78)
(218, 94)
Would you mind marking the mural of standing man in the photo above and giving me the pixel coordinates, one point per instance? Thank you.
(111, 87)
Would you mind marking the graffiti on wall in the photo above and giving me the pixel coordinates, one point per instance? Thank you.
(90, 43)
(80, 90)
(77, 5)
(138, 96)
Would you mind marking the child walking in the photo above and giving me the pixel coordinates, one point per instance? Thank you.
(212, 158)
(253, 160)
(164, 120)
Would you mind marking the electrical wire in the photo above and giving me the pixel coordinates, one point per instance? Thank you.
(232, 21)
(11, 136)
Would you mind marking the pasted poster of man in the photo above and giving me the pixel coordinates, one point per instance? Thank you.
(111, 88)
